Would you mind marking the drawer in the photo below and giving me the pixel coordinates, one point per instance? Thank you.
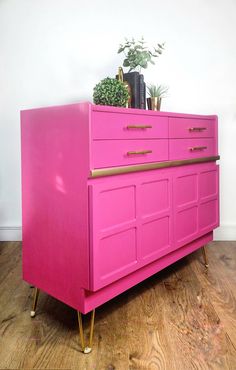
(108, 125)
(112, 153)
(191, 128)
(191, 148)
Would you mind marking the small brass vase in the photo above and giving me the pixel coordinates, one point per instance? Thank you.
(154, 103)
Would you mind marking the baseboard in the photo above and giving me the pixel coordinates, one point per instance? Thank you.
(10, 233)
(14, 233)
(225, 232)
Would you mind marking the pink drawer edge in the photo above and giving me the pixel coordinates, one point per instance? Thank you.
(191, 128)
(106, 125)
(191, 148)
(112, 153)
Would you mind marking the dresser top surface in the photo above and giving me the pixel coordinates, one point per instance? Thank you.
(102, 108)
(111, 109)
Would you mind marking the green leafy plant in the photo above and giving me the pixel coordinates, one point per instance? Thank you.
(110, 91)
(157, 91)
(137, 55)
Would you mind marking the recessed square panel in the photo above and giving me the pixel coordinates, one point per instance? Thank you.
(154, 236)
(116, 206)
(208, 183)
(155, 197)
(186, 223)
(186, 189)
(116, 253)
(208, 214)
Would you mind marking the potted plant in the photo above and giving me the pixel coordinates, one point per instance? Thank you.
(138, 56)
(110, 91)
(156, 93)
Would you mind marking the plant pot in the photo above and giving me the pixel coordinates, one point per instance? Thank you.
(154, 103)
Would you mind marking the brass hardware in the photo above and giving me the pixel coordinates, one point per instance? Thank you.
(109, 171)
(35, 301)
(86, 349)
(204, 253)
(195, 148)
(198, 129)
(139, 152)
(120, 77)
(138, 127)
(154, 103)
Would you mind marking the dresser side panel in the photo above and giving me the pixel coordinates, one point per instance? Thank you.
(55, 166)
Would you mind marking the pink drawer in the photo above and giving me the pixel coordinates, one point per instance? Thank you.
(191, 148)
(191, 127)
(108, 125)
(111, 153)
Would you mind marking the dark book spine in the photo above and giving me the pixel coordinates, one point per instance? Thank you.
(142, 92)
(134, 81)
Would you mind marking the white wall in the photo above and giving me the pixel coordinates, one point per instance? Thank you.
(55, 51)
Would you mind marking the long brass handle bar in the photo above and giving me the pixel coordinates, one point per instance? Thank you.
(197, 148)
(139, 152)
(198, 129)
(142, 127)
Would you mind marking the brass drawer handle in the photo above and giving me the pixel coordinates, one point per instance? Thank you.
(139, 152)
(194, 148)
(197, 129)
(142, 127)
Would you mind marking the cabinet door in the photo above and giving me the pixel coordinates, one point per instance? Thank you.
(195, 202)
(130, 224)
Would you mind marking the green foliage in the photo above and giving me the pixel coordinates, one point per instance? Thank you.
(110, 91)
(137, 55)
(158, 91)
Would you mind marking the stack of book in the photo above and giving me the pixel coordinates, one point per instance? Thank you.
(138, 89)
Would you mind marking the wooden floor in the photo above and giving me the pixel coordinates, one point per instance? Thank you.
(182, 318)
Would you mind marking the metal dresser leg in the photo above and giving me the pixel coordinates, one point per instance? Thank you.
(86, 349)
(35, 301)
(204, 253)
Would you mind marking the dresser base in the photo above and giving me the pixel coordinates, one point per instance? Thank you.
(94, 299)
(91, 300)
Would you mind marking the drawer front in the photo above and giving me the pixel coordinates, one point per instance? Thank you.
(107, 125)
(191, 128)
(112, 153)
(191, 148)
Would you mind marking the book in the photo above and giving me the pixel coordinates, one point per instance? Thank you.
(142, 92)
(133, 78)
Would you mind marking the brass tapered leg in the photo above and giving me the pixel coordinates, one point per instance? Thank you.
(86, 349)
(35, 301)
(204, 253)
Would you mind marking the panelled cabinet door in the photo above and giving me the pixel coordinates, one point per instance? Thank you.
(196, 202)
(131, 224)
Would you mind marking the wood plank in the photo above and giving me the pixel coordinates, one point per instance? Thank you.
(220, 284)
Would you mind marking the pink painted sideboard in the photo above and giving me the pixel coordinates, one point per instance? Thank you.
(111, 196)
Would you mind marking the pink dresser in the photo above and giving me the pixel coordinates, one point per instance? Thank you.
(111, 196)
